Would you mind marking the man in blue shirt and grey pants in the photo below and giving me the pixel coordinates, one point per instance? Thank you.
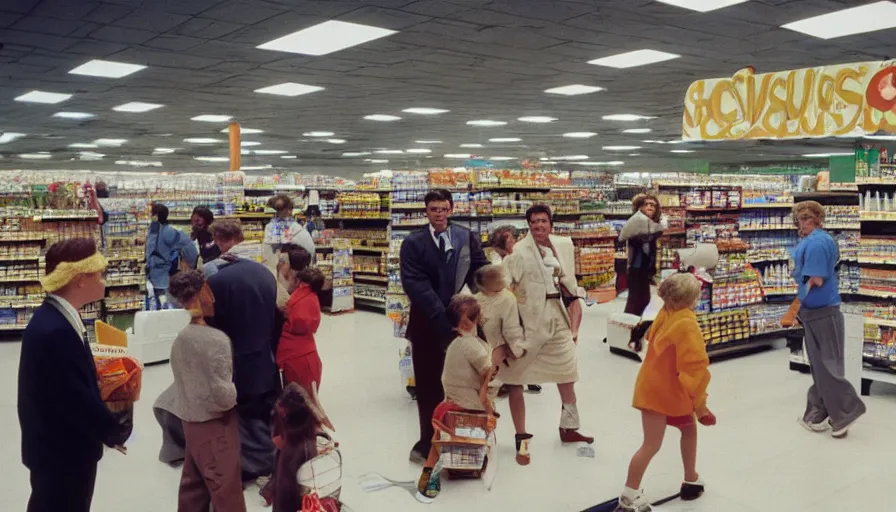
(832, 401)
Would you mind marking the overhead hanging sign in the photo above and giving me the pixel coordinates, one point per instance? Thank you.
(842, 100)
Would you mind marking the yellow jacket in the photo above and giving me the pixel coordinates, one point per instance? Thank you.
(675, 374)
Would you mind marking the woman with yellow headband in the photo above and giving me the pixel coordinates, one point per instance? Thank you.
(64, 421)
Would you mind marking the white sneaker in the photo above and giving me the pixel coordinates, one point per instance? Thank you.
(813, 427)
(637, 504)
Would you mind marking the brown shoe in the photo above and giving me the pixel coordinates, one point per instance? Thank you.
(523, 457)
(573, 436)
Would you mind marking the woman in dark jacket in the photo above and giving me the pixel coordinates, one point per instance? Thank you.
(201, 219)
(640, 233)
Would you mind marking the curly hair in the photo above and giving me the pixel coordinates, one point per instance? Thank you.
(679, 291)
(810, 208)
(281, 203)
(539, 208)
(185, 285)
(498, 238)
(463, 306)
(639, 200)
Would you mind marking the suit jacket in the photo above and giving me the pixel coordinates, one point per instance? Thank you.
(531, 284)
(430, 281)
(63, 418)
(245, 309)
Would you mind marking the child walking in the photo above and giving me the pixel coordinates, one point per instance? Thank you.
(466, 376)
(671, 389)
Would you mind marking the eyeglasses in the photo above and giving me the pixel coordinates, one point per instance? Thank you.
(438, 209)
(651, 204)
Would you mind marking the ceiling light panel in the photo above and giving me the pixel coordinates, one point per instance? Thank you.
(682, 151)
(244, 131)
(203, 140)
(574, 90)
(325, 38)
(212, 158)
(139, 163)
(847, 22)
(637, 130)
(501, 158)
(378, 161)
(83, 145)
(336, 141)
(355, 153)
(626, 117)
(458, 155)
(164, 151)
(137, 107)
(827, 155)
(382, 117)
(211, 118)
(471, 146)
(35, 156)
(579, 135)
(426, 111)
(289, 89)
(621, 148)
(110, 142)
(73, 115)
(269, 152)
(388, 151)
(634, 59)
(289, 157)
(318, 134)
(505, 139)
(8, 137)
(486, 122)
(48, 98)
(428, 141)
(418, 151)
(537, 119)
(106, 69)
(702, 5)
(249, 143)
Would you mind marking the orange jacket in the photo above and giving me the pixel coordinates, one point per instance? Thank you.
(302, 320)
(675, 374)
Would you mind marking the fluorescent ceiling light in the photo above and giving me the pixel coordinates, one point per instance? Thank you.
(634, 59)
(615, 162)
(249, 143)
(505, 139)
(457, 155)
(106, 69)
(211, 118)
(257, 167)
(289, 157)
(537, 119)
(244, 131)
(879, 137)
(571, 157)
(83, 145)
(626, 117)
(682, 151)
(164, 151)
(855, 20)
(327, 37)
(73, 115)
(356, 153)
(637, 130)
(418, 150)
(579, 135)
(621, 148)
(378, 161)
(90, 156)
(574, 90)
(137, 106)
(381, 117)
(269, 152)
(138, 163)
(388, 151)
(486, 122)
(336, 141)
(826, 155)
(202, 140)
(48, 98)
(501, 158)
(425, 111)
(289, 89)
(36, 156)
(212, 158)
(428, 141)
(110, 142)
(702, 5)
(318, 134)
(471, 145)
(10, 136)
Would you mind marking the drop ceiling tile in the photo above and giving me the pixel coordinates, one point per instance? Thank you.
(206, 28)
(551, 11)
(33, 40)
(223, 50)
(384, 18)
(107, 13)
(63, 9)
(436, 8)
(164, 59)
(122, 35)
(247, 11)
(155, 21)
(20, 6)
(174, 43)
(9, 18)
(190, 7)
(42, 25)
(95, 48)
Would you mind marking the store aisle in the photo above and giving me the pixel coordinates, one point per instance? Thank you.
(757, 458)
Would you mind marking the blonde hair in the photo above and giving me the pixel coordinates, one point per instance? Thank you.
(680, 290)
(488, 275)
(462, 306)
(812, 208)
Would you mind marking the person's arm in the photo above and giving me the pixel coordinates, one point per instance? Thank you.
(817, 264)
(303, 317)
(186, 247)
(478, 259)
(73, 394)
(220, 368)
(634, 226)
(512, 329)
(477, 355)
(693, 365)
(303, 239)
(417, 286)
(485, 380)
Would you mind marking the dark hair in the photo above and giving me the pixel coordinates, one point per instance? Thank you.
(299, 258)
(184, 285)
(71, 250)
(205, 214)
(498, 237)
(539, 208)
(296, 421)
(160, 211)
(462, 306)
(228, 229)
(102, 191)
(438, 194)
(296, 414)
(313, 277)
(639, 200)
(281, 202)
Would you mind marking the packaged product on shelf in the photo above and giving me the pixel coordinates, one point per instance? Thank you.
(763, 220)
(777, 280)
(362, 205)
(876, 249)
(725, 326)
(877, 282)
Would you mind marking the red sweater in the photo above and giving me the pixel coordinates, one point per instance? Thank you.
(302, 314)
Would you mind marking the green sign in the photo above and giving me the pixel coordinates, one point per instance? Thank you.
(843, 169)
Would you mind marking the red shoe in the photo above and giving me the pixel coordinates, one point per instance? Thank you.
(573, 436)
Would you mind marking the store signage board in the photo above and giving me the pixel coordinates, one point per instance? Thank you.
(843, 169)
(841, 100)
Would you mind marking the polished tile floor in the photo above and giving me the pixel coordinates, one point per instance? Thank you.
(756, 459)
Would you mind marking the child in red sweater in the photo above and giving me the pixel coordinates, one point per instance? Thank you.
(297, 353)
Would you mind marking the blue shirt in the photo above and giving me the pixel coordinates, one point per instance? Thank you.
(817, 255)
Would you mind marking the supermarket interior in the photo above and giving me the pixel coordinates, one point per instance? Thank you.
(355, 110)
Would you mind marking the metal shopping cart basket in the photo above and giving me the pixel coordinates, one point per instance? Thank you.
(465, 441)
(321, 476)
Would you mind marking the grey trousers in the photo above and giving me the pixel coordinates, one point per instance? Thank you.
(831, 395)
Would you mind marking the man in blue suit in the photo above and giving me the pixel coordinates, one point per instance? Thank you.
(436, 262)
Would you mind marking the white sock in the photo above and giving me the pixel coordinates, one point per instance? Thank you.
(630, 494)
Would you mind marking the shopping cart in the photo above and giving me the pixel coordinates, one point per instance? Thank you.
(320, 479)
(465, 442)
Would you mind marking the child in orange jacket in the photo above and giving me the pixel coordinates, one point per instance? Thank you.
(671, 389)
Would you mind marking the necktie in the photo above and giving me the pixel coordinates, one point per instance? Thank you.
(442, 245)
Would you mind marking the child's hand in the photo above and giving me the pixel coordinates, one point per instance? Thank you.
(708, 419)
